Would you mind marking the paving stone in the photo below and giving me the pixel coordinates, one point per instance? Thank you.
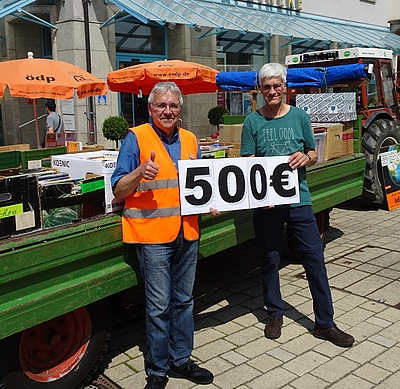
(346, 279)
(352, 381)
(213, 349)
(264, 363)
(368, 254)
(275, 379)
(391, 382)
(355, 316)
(390, 293)
(281, 354)
(373, 306)
(244, 336)
(309, 382)
(255, 348)
(217, 365)
(234, 358)
(386, 260)
(335, 369)
(368, 285)
(363, 352)
(236, 376)
(121, 371)
(388, 360)
(389, 314)
(206, 336)
(228, 328)
(382, 340)
(372, 373)
(379, 322)
(301, 344)
(247, 320)
(305, 363)
(389, 273)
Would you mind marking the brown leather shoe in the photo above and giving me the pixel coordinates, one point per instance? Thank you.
(273, 327)
(334, 335)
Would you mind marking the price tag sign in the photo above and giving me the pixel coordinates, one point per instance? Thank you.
(236, 183)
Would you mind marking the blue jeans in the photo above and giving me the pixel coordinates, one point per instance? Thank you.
(302, 228)
(168, 271)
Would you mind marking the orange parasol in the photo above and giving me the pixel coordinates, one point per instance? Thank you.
(190, 77)
(35, 78)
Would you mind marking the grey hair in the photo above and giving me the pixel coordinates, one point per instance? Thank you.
(273, 69)
(164, 87)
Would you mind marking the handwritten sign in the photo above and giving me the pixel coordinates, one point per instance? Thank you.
(11, 210)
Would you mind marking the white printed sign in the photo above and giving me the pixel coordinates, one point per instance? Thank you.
(236, 183)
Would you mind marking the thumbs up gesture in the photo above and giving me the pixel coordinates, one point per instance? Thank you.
(149, 169)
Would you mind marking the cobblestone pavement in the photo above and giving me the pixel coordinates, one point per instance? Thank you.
(363, 262)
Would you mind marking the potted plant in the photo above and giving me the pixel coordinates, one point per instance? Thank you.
(115, 128)
(215, 115)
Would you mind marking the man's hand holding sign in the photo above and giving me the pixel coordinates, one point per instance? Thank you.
(236, 183)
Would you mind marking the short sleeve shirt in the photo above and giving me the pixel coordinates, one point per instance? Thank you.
(54, 120)
(265, 137)
(129, 154)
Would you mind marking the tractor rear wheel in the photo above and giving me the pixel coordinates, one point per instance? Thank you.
(380, 133)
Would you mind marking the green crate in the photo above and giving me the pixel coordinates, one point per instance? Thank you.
(41, 154)
(9, 159)
(233, 119)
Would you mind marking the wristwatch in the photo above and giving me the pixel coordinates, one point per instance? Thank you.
(308, 156)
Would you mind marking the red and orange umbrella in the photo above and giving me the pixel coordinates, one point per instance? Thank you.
(35, 78)
(190, 77)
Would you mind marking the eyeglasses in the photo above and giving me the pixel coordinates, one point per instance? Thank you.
(276, 87)
(163, 106)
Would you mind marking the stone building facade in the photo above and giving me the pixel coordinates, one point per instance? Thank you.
(116, 33)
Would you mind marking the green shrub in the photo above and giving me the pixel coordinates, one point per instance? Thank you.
(215, 115)
(115, 128)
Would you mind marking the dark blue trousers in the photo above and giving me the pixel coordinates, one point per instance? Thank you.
(302, 227)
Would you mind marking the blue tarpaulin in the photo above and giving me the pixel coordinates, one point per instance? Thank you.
(237, 81)
(296, 77)
(324, 76)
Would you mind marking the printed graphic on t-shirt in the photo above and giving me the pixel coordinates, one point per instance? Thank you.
(279, 140)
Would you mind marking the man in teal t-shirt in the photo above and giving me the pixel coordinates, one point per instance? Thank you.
(277, 129)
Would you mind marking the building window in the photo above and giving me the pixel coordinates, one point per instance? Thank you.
(47, 51)
(133, 37)
(240, 49)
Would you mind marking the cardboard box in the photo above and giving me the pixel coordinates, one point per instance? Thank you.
(17, 147)
(320, 144)
(347, 138)
(230, 133)
(19, 205)
(65, 202)
(333, 141)
(101, 163)
(328, 107)
(233, 150)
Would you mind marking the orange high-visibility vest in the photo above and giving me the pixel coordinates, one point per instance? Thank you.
(152, 214)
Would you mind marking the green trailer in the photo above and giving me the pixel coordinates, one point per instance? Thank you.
(55, 284)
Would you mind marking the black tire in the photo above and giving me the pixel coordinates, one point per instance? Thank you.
(380, 133)
(18, 363)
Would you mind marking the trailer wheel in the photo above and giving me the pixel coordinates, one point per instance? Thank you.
(380, 133)
(62, 353)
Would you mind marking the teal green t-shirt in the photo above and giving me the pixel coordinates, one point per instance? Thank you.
(266, 137)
